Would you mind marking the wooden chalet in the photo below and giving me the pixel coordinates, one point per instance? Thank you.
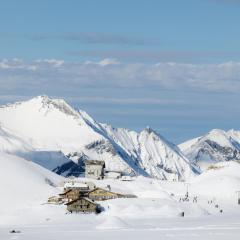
(72, 194)
(100, 194)
(97, 194)
(84, 205)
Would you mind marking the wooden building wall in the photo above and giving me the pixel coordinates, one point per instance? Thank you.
(100, 195)
(82, 205)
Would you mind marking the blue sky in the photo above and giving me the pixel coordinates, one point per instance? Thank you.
(173, 65)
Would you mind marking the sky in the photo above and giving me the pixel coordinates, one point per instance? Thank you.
(171, 65)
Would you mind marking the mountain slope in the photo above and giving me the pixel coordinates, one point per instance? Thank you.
(11, 143)
(215, 146)
(59, 137)
(48, 124)
(153, 153)
(221, 181)
(30, 183)
(52, 125)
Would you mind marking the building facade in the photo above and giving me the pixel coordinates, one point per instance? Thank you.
(100, 194)
(94, 169)
(83, 205)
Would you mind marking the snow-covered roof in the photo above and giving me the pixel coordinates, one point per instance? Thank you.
(75, 185)
(87, 199)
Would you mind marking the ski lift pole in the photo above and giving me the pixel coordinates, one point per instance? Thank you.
(238, 197)
(187, 189)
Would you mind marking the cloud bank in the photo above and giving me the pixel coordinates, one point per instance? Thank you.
(179, 100)
(58, 75)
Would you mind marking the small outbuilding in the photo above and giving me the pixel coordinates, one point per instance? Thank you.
(55, 200)
(84, 205)
(94, 169)
(113, 174)
(127, 178)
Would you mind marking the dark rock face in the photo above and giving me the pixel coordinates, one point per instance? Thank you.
(228, 152)
(101, 147)
(70, 169)
(79, 157)
(76, 165)
(215, 152)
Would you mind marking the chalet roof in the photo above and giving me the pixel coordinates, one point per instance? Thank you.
(64, 193)
(94, 162)
(85, 198)
(78, 190)
(98, 188)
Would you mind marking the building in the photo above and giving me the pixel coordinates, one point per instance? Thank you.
(91, 185)
(97, 194)
(84, 205)
(76, 185)
(55, 200)
(113, 174)
(71, 194)
(100, 194)
(94, 169)
(126, 178)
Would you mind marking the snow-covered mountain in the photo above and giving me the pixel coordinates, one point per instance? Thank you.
(153, 153)
(56, 136)
(11, 143)
(215, 146)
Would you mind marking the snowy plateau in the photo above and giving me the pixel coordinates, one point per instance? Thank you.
(44, 141)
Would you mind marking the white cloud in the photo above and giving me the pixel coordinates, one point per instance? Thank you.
(105, 62)
(108, 61)
(53, 62)
(57, 74)
(16, 63)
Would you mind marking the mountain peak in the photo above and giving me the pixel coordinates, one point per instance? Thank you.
(42, 97)
(217, 132)
(233, 132)
(218, 136)
(57, 103)
(148, 130)
(215, 146)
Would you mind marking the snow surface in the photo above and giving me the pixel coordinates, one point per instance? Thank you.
(23, 185)
(215, 146)
(11, 143)
(43, 128)
(211, 228)
(26, 187)
(38, 135)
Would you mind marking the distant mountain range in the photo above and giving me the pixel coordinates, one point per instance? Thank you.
(52, 134)
(215, 146)
(56, 136)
